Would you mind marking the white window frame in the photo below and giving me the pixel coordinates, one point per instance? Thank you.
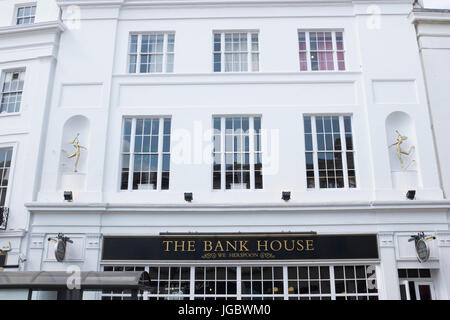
(132, 153)
(356, 294)
(2, 81)
(405, 283)
(343, 151)
(165, 52)
(334, 49)
(239, 295)
(249, 51)
(252, 151)
(13, 147)
(24, 5)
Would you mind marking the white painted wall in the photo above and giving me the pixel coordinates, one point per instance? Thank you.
(435, 60)
(278, 93)
(46, 10)
(31, 48)
(433, 29)
(436, 4)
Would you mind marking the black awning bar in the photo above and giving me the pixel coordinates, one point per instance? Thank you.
(12, 266)
(58, 280)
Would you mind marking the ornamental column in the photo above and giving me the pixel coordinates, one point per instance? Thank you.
(441, 279)
(388, 284)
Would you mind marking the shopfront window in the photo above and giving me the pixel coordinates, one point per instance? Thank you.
(119, 294)
(215, 283)
(262, 283)
(355, 282)
(309, 283)
(280, 282)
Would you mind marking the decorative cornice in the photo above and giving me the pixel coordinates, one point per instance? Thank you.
(12, 234)
(55, 26)
(36, 207)
(159, 3)
(430, 16)
(95, 3)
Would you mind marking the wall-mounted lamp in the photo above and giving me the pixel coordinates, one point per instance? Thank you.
(68, 196)
(286, 195)
(188, 196)
(411, 194)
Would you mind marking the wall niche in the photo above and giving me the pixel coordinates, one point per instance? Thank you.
(402, 149)
(73, 164)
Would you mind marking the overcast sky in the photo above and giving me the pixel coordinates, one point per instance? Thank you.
(441, 4)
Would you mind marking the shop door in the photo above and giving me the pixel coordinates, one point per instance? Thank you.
(416, 284)
(424, 290)
(404, 290)
(416, 290)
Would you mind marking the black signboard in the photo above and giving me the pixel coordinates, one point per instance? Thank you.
(240, 247)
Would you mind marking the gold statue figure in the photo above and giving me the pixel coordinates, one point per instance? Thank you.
(400, 151)
(76, 144)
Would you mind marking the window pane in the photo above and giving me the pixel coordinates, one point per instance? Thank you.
(323, 48)
(237, 154)
(235, 51)
(169, 64)
(133, 43)
(170, 42)
(216, 180)
(258, 180)
(11, 93)
(217, 62)
(5, 165)
(26, 15)
(145, 168)
(348, 124)
(309, 161)
(152, 52)
(329, 163)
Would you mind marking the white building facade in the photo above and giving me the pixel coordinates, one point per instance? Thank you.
(194, 117)
(433, 34)
(29, 41)
(432, 25)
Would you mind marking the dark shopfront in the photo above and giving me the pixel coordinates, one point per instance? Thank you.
(247, 266)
